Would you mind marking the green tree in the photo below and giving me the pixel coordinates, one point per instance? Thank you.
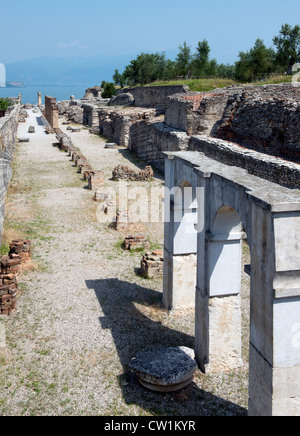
(119, 79)
(201, 58)
(5, 103)
(183, 59)
(147, 68)
(288, 47)
(108, 89)
(255, 63)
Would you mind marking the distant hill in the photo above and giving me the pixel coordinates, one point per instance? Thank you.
(15, 84)
(66, 71)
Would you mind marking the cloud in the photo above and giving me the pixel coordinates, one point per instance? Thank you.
(73, 44)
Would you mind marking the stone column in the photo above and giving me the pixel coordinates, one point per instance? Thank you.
(274, 379)
(39, 99)
(180, 250)
(218, 302)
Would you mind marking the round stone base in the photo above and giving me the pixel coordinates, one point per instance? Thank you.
(165, 369)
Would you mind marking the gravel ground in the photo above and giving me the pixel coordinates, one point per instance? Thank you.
(84, 311)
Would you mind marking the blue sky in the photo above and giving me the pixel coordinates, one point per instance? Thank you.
(68, 28)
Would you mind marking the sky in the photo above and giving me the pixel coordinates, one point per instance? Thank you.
(68, 28)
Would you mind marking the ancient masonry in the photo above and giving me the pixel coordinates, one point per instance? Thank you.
(8, 132)
(262, 119)
(237, 150)
(136, 242)
(20, 253)
(152, 264)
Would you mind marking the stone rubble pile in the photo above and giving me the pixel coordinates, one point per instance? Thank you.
(19, 254)
(122, 172)
(152, 264)
(136, 242)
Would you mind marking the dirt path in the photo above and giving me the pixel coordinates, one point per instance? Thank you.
(84, 311)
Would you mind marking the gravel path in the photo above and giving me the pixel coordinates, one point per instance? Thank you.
(84, 311)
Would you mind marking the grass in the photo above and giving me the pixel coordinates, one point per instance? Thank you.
(208, 84)
(199, 85)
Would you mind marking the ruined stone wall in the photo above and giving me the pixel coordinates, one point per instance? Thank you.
(150, 138)
(196, 112)
(8, 131)
(51, 111)
(263, 118)
(267, 120)
(115, 123)
(151, 96)
(270, 168)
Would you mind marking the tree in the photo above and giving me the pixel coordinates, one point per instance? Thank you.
(147, 68)
(255, 63)
(288, 47)
(108, 89)
(183, 59)
(119, 79)
(201, 57)
(5, 103)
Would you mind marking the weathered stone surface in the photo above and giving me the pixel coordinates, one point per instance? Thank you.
(124, 99)
(8, 131)
(31, 129)
(165, 369)
(152, 264)
(122, 172)
(134, 242)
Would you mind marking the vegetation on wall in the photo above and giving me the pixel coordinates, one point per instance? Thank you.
(5, 103)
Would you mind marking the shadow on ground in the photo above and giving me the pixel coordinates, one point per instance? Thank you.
(132, 332)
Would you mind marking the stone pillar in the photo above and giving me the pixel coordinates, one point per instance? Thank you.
(51, 112)
(39, 99)
(218, 303)
(274, 378)
(180, 250)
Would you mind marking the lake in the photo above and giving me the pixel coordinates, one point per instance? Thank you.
(29, 94)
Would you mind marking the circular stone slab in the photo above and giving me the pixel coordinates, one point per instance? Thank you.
(165, 369)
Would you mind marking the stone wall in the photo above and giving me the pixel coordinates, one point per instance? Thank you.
(51, 111)
(263, 118)
(150, 138)
(270, 168)
(151, 96)
(8, 131)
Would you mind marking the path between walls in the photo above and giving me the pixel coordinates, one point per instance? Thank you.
(85, 312)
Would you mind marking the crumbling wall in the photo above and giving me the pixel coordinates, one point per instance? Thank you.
(267, 120)
(150, 138)
(8, 131)
(152, 96)
(263, 118)
(51, 111)
(270, 168)
(115, 123)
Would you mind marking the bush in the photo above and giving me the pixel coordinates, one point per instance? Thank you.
(108, 90)
(5, 103)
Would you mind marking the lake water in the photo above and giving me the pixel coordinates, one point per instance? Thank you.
(29, 95)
